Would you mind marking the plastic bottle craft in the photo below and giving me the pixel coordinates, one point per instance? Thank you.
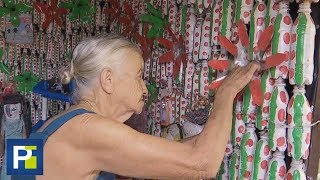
(247, 150)
(277, 123)
(281, 42)
(299, 125)
(302, 49)
(262, 156)
(296, 171)
(263, 114)
(234, 164)
(277, 167)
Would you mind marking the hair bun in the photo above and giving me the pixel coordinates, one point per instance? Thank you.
(67, 74)
(66, 77)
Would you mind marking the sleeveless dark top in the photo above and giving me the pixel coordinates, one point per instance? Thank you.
(49, 130)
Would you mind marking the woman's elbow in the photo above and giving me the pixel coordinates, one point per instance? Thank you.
(206, 168)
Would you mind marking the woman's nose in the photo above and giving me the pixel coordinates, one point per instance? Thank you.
(144, 89)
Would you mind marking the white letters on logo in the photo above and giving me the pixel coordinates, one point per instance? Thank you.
(17, 158)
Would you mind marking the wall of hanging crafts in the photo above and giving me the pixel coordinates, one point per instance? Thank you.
(190, 46)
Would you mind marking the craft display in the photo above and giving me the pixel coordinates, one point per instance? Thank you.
(189, 47)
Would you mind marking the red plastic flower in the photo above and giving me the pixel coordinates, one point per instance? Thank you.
(51, 13)
(128, 21)
(146, 44)
(113, 11)
(176, 51)
(263, 43)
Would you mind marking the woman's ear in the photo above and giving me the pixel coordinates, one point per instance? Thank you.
(107, 80)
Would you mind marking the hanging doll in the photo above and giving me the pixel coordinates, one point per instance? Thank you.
(15, 123)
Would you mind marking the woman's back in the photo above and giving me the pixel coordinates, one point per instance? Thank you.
(65, 155)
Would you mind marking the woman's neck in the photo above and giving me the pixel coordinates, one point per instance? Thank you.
(109, 110)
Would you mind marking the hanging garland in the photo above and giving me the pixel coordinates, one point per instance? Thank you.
(14, 10)
(51, 13)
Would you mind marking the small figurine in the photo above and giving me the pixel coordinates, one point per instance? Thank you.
(15, 123)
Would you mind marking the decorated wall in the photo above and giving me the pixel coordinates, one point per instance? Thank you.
(189, 47)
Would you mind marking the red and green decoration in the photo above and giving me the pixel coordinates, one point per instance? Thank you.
(113, 11)
(26, 81)
(157, 21)
(51, 13)
(176, 52)
(153, 92)
(14, 10)
(80, 9)
(263, 43)
(3, 67)
(128, 21)
(146, 44)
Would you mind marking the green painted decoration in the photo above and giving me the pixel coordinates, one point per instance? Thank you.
(225, 6)
(243, 156)
(233, 163)
(296, 175)
(246, 103)
(298, 132)
(301, 29)
(252, 33)
(264, 81)
(273, 170)
(257, 159)
(275, 41)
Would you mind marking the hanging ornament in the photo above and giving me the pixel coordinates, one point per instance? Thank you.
(299, 125)
(257, 26)
(224, 169)
(267, 86)
(51, 13)
(277, 167)
(157, 21)
(128, 21)
(272, 11)
(241, 58)
(278, 117)
(79, 9)
(146, 44)
(281, 42)
(152, 91)
(176, 52)
(238, 125)
(296, 171)
(26, 81)
(262, 156)
(302, 48)
(247, 149)
(3, 67)
(113, 11)
(234, 164)
(14, 10)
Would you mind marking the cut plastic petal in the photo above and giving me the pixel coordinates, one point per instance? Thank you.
(167, 57)
(265, 38)
(243, 35)
(275, 60)
(219, 64)
(216, 83)
(166, 43)
(227, 44)
(256, 91)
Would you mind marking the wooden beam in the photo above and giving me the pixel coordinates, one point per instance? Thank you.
(313, 162)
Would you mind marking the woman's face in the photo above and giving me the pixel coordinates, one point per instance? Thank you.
(130, 88)
(12, 111)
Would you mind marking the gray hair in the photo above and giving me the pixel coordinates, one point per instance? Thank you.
(90, 57)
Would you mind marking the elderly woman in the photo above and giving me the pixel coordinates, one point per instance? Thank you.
(90, 136)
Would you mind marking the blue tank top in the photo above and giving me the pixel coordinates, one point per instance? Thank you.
(49, 130)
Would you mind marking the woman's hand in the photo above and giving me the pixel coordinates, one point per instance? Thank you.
(238, 79)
